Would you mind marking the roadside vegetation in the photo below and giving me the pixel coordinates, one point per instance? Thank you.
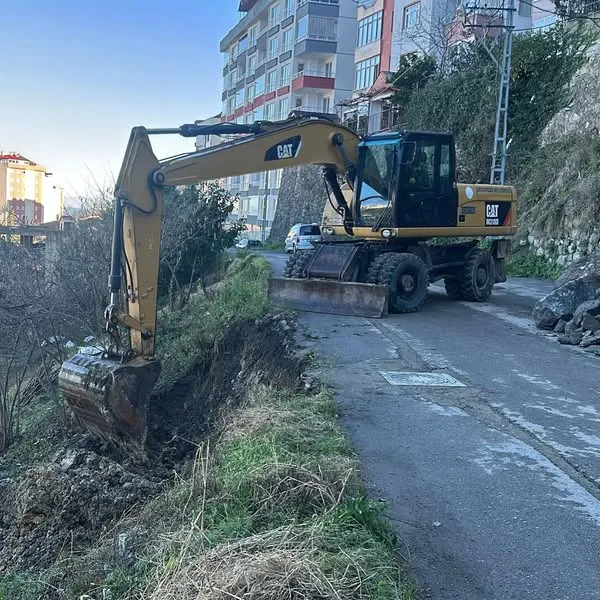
(526, 263)
(251, 489)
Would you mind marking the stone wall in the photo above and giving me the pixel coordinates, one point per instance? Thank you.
(302, 198)
(564, 250)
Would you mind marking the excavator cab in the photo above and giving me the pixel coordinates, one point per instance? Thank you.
(406, 180)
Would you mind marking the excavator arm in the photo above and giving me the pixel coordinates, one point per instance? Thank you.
(109, 393)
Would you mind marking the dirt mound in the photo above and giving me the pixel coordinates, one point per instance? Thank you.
(249, 353)
(62, 506)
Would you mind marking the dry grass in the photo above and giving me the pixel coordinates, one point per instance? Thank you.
(282, 564)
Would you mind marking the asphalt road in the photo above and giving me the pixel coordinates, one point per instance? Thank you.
(493, 482)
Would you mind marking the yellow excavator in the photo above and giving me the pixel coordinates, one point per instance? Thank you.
(393, 199)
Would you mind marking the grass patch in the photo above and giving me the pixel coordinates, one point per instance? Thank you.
(527, 264)
(187, 336)
(281, 513)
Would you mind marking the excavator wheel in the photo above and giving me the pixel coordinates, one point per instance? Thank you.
(375, 268)
(302, 261)
(407, 279)
(478, 276)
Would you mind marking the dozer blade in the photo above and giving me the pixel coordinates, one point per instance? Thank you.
(110, 398)
(330, 296)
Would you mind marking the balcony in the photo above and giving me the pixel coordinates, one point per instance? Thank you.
(313, 79)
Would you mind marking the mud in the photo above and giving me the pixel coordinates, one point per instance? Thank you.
(64, 507)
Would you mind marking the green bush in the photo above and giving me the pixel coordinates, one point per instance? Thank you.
(527, 264)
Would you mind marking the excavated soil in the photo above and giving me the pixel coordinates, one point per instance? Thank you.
(63, 507)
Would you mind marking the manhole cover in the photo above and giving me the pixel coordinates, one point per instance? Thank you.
(416, 378)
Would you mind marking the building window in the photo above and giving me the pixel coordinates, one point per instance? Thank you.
(252, 36)
(251, 65)
(366, 72)
(369, 29)
(299, 102)
(274, 15)
(283, 108)
(302, 28)
(412, 15)
(250, 93)
(326, 105)
(287, 40)
(243, 44)
(328, 69)
(271, 81)
(260, 85)
(285, 75)
(288, 8)
(273, 47)
(270, 112)
(239, 98)
(524, 9)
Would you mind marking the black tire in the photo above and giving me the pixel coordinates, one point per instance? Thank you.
(290, 263)
(303, 257)
(453, 288)
(478, 276)
(375, 267)
(407, 279)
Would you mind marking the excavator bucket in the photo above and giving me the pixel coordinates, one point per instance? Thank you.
(110, 398)
(330, 296)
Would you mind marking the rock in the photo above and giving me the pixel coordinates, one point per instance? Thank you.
(561, 261)
(584, 267)
(590, 340)
(594, 239)
(560, 326)
(570, 327)
(562, 302)
(590, 307)
(571, 339)
(539, 251)
(590, 323)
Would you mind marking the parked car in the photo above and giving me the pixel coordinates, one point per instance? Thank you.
(246, 244)
(302, 236)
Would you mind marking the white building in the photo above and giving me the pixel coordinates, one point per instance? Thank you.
(281, 56)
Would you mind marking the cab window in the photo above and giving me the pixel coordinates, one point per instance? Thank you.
(378, 177)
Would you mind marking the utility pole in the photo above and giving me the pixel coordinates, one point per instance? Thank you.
(498, 173)
(507, 9)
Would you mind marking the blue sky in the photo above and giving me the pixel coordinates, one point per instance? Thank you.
(83, 73)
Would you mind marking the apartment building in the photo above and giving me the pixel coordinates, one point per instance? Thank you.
(281, 56)
(22, 188)
(368, 109)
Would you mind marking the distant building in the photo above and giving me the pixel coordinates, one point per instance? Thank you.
(283, 55)
(21, 190)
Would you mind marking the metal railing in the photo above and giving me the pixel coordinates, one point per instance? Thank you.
(386, 119)
(318, 73)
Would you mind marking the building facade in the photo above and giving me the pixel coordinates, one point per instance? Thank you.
(22, 185)
(369, 109)
(281, 56)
